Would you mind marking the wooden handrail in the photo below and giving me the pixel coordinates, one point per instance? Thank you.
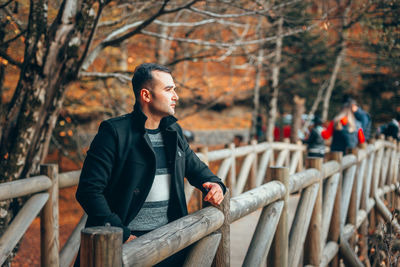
(254, 199)
(20, 224)
(368, 176)
(71, 247)
(303, 179)
(157, 245)
(23, 187)
(68, 179)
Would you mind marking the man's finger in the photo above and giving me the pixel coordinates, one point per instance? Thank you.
(211, 193)
(216, 198)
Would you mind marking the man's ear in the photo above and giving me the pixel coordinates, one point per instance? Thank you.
(145, 95)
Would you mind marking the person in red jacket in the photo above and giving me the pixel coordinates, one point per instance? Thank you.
(346, 133)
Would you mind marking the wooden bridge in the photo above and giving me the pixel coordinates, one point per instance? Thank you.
(310, 214)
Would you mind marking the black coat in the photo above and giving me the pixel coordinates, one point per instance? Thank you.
(119, 170)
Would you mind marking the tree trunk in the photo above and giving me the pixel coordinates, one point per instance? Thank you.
(51, 61)
(298, 110)
(314, 106)
(338, 63)
(327, 98)
(275, 82)
(256, 99)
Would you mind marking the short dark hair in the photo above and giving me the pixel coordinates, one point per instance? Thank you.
(348, 101)
(142, 76)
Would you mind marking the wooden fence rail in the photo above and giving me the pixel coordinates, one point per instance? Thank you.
(338, 198)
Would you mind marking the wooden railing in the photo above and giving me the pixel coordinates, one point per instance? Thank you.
(208, 228)
(337, 198)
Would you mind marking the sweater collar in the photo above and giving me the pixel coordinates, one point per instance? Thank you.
(141, 119)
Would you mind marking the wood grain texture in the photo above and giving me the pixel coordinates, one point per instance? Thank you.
(20, 224)
(101, 246)
(203, 252)
(24, 187)
(263, 235)
(49, 220)
(159, 244)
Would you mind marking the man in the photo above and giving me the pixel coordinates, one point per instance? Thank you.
(392, 128)
(134, 171)
(315, 142)
(362, 116)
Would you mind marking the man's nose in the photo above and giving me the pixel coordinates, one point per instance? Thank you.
(175, 96)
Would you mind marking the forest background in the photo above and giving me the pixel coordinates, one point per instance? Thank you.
(66, 65)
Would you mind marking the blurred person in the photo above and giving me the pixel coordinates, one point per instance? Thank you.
(133, 174)
(260, 129)
(237, 140)
(189, 136)
(362, 116)
(346, 133)
(315, 142)
(392, 128)
(287, 128)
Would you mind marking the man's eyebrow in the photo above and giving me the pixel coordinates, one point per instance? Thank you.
(170, 86)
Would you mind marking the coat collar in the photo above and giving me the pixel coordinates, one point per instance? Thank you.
(141, 118)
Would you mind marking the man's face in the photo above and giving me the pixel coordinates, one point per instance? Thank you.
(163, 94)
(354, 107)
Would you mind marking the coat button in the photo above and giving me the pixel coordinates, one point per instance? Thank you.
(136, 191)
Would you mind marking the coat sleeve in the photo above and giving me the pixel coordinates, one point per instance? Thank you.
(96, 173)
(196, 171)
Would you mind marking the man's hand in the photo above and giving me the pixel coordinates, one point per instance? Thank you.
(131, 237)
(215, 194)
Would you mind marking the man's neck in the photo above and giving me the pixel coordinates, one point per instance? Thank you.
(152, 123)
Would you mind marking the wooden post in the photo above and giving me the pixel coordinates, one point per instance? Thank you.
(334, 229)
(49, 225)
(374, 187)
(202, 253)
(363, 241)
(199, 195)
(349, 256)
(263, 235)
(253, 171)
(313, 253)
(101, 246)
(391, 173)
(280, 248)
(352, 213)
(287, 158)
(362, 145)
(222, 257)
(300, 164)
(394, 179)
(232, 172)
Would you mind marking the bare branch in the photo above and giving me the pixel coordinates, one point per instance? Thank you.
(176, 24)
(198, 23)
(228, 45)
(14, 38)
(263, 12)
(10, 59)
(224, 16)
(101, 75)
(314, 107)
(147, 22)
(112, 39)
(94, 53)
(233, 48)
(90, 40)
(14, 19)
(5, 4)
